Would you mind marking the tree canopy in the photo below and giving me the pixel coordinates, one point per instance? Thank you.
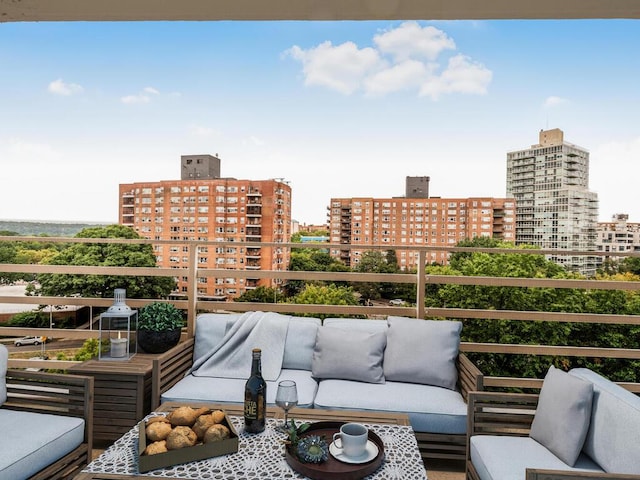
(536, 299)
(103, 254)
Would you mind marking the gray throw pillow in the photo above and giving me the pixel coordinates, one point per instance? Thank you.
(422, 351)
(563, 415)
(4, 357)
(348, 355)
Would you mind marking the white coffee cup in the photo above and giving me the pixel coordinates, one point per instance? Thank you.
(351, 440)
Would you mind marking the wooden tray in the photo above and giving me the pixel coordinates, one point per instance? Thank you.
(332, 468)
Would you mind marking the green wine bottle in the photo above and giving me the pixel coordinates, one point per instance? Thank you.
(255, 397)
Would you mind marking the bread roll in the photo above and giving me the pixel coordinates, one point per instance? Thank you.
(216, 433)
(157, 431)
(156, 447)
(181, 437)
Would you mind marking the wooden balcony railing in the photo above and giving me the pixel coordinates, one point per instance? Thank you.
(192, 304)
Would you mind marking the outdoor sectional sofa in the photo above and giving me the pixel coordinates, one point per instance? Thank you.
(46, 423)
(399, 364)
(580, 426)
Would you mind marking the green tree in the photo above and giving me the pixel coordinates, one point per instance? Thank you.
(33, 319)
(103, 254)
(261, 295)
(325, 295)
(537, 299)
(375, 261)
(311, 260)
(630, 265)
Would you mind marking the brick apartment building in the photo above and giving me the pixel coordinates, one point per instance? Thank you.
(202, 206)
(429, 222)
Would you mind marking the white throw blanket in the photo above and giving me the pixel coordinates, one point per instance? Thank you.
(232, 357)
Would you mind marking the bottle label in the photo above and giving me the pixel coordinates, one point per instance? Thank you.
(251, 409)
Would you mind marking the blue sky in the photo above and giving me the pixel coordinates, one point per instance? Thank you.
(338, 109)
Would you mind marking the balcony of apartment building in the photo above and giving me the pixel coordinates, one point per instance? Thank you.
(254, 211)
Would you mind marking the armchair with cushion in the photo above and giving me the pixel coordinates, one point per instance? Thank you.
(581, 425)
(47, 423)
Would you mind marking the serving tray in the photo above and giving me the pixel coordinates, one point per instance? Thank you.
(332, 468)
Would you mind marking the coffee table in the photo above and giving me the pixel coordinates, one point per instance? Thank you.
(262, 455)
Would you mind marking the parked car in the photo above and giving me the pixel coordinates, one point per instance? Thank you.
(396, 302)
(29, 341)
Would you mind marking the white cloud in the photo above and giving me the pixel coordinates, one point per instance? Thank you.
(462, 75)
(132, 99)
(553, 101)
(142, 97)
(404, 58)
(59, 87)
(342, 67)
(408, 74)
(410, 40)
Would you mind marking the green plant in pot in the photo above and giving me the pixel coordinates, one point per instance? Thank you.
(159, 327)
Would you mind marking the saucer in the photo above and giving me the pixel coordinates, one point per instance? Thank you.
(369, 454)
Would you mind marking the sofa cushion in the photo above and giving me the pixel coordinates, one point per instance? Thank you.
(231, 390)
(612, 439)
(348, 355)
(422, 351)
(298, 349)
(210, 330)
(563, 414)
(357, 324)
(36, 441)
(301, 338)
(430, 409)
(507, 458)
(4, 357)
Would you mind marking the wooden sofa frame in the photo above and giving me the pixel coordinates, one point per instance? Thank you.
(55, 394)
(171, 366)
(495, 413)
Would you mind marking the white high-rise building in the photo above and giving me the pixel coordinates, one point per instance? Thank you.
(554, 207)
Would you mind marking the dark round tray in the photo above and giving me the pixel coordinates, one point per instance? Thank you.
(332, 468)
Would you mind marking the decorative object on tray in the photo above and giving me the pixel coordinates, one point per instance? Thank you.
(332, 468)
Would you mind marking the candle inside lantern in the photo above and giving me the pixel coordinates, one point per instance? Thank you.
(118, 347)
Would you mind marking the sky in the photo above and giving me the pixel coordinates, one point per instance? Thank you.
(337, 109)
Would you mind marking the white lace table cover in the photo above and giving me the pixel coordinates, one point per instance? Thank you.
(261, 456)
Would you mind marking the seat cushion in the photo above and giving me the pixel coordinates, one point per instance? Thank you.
(613, 436)
(231, 390)
(36, 441)
(430, 409)
(507, 458)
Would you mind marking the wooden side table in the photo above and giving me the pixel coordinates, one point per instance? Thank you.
(122, 394)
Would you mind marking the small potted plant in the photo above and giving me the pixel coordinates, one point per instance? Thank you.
(159, 327)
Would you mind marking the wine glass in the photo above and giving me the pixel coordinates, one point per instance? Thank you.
(286, 399)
